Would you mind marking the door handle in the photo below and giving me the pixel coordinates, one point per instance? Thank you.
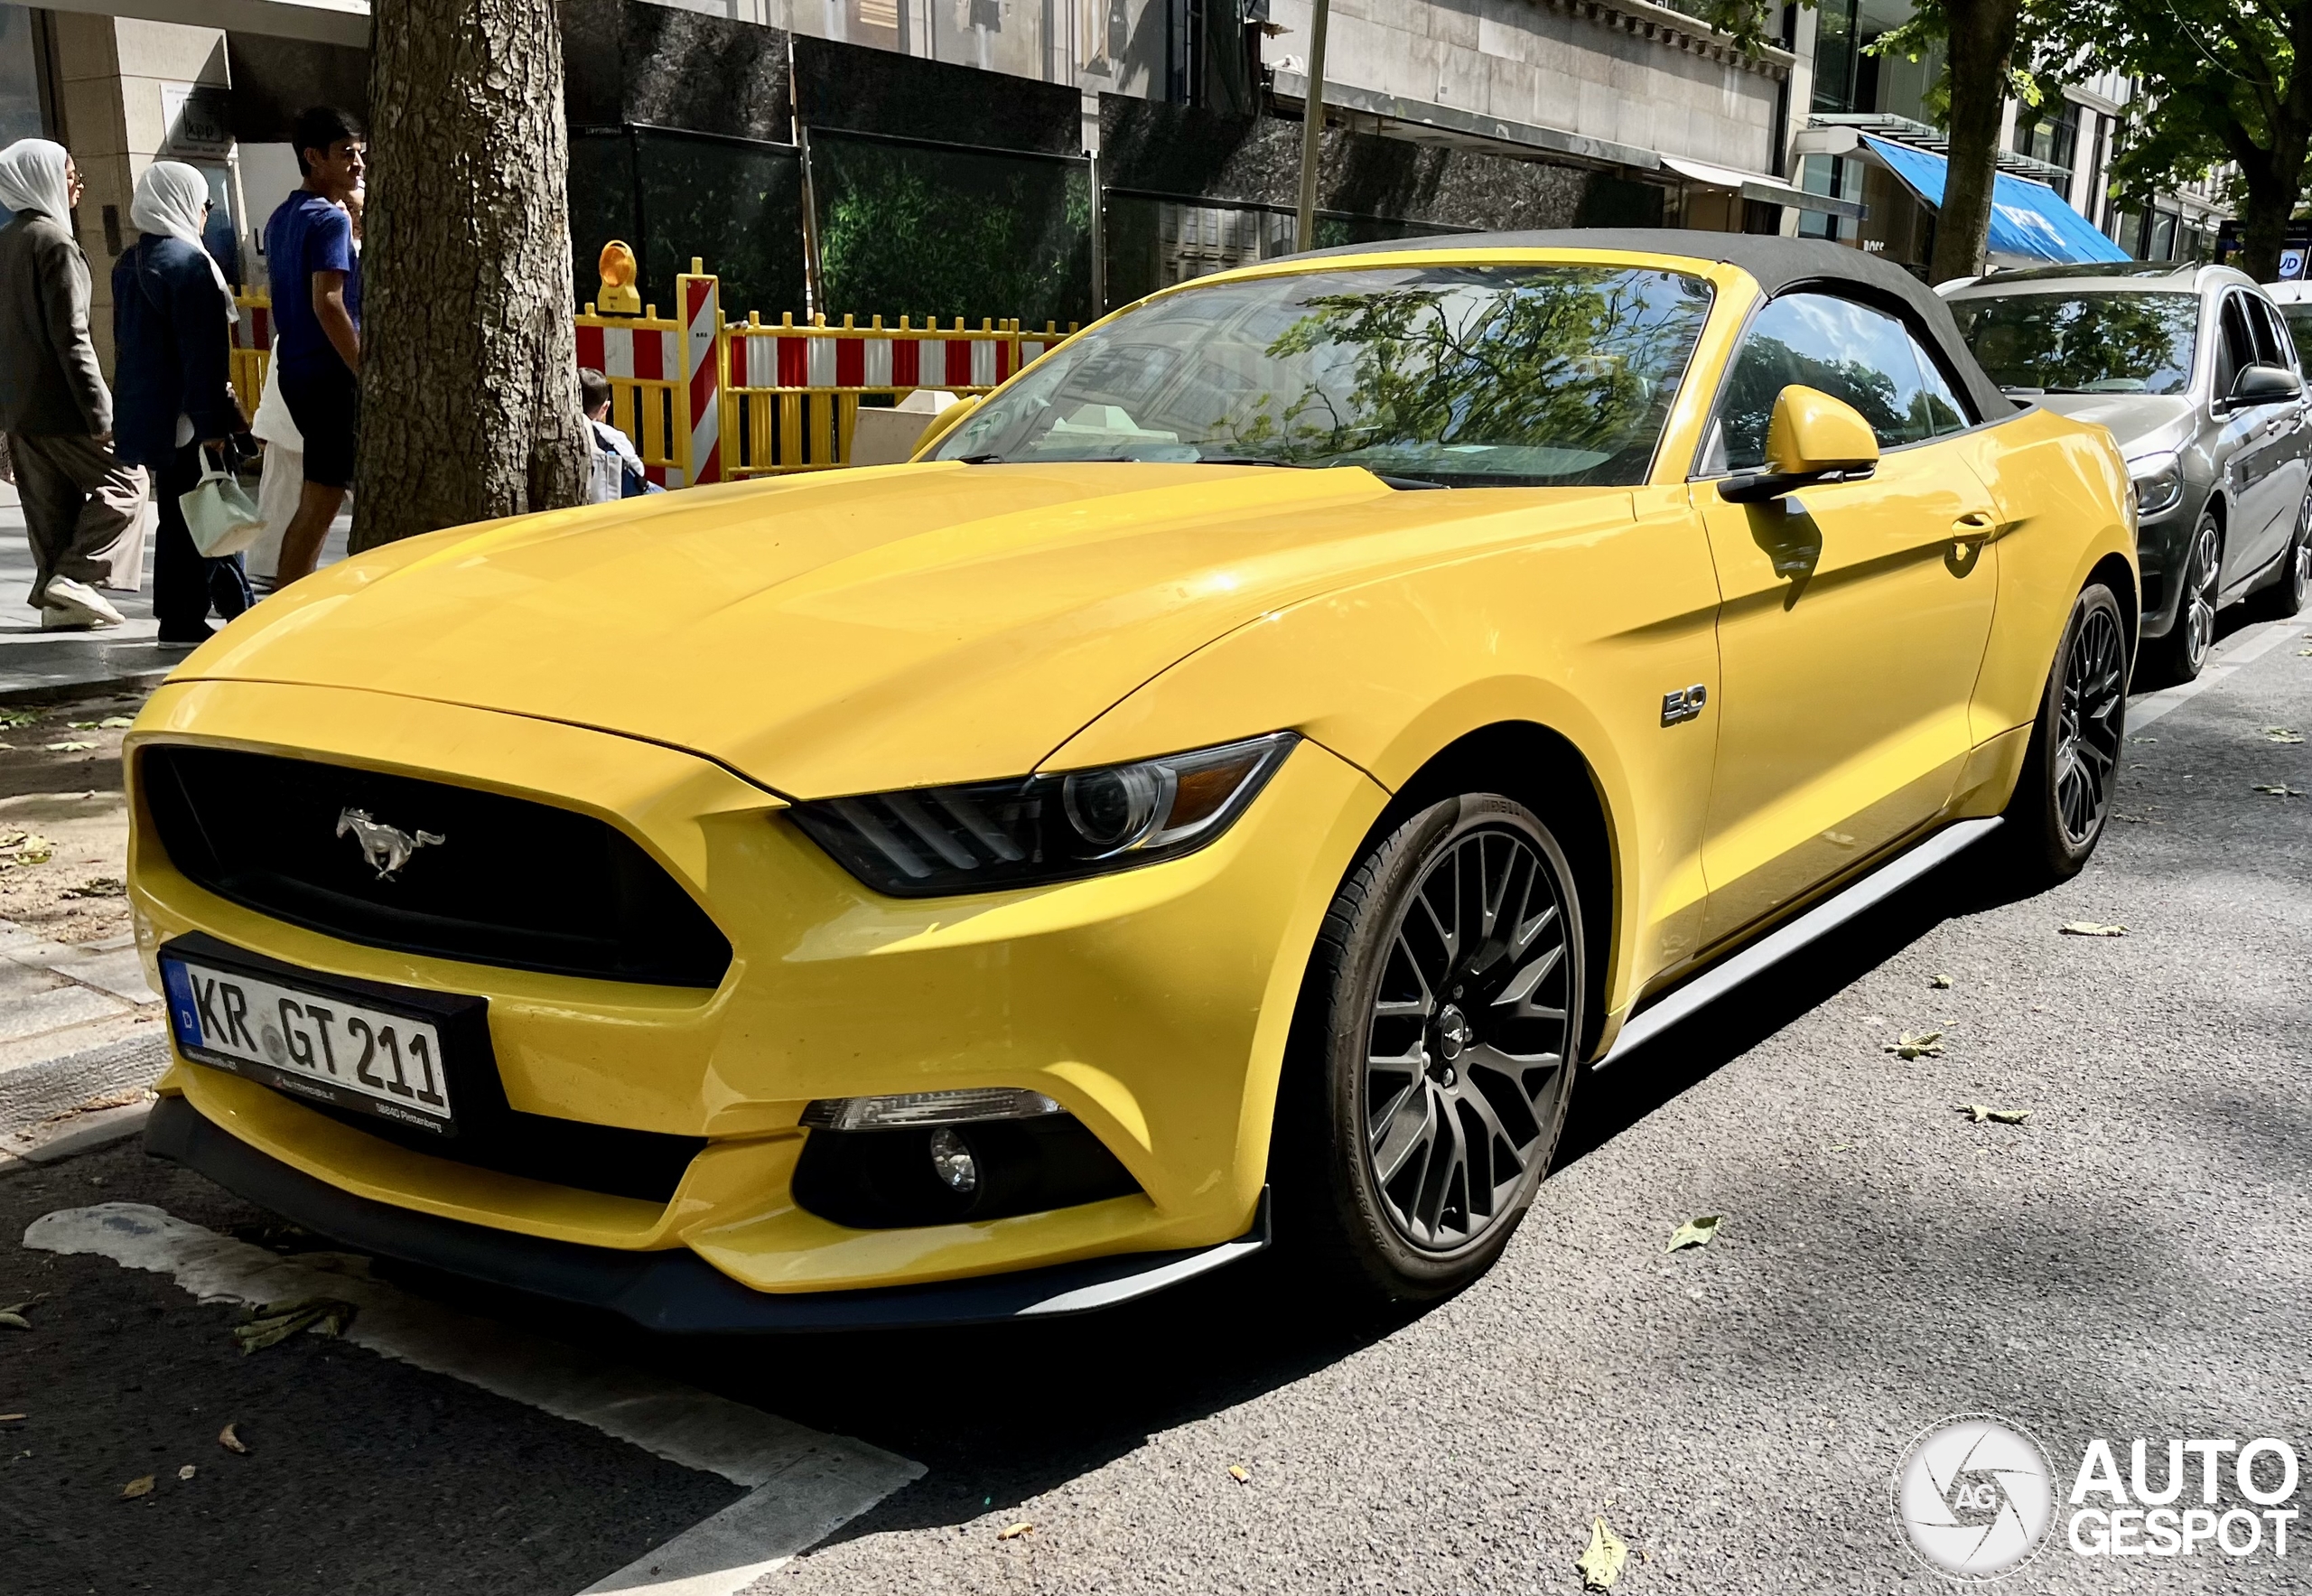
(1976, 527)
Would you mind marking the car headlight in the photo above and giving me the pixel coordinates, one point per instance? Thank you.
(2158, 482)
(930, 842)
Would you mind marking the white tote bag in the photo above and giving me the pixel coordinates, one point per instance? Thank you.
(219, 512)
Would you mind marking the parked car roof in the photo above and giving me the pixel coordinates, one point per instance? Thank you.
(1777, 263)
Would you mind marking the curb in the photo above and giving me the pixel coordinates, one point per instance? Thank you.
(33, 1095)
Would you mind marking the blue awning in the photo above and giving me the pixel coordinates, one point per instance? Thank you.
(2026, 219)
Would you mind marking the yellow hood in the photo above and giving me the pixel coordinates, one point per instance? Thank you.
(859, 630)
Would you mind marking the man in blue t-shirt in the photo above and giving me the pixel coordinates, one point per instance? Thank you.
(316, 277)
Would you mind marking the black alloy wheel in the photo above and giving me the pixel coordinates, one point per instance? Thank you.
(2178, 657)
(2062, 801)
(1444, 1003)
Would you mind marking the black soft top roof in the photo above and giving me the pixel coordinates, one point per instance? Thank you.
(1778, 264)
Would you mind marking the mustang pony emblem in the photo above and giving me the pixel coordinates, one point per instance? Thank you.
(385, 848)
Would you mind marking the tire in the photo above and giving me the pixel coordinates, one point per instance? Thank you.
(2062, 800)
(1448, 980)
(2178, 657)
(2287, 593)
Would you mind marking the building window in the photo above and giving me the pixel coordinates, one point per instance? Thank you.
(2050, 133)
(1837, 34)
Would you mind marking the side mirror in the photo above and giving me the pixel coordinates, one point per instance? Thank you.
(946, 422)
(1811, 438)
(2264, 385)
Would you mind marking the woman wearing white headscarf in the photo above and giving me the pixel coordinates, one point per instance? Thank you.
(83, 510)
(173, 317)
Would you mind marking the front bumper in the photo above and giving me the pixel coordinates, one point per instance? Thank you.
(2163, 544)
(1152, 1004)
(673, 1293)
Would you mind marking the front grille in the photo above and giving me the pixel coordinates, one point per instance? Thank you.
(609, 1159)
(495, 879)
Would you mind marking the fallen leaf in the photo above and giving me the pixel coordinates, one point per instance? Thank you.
(80, 726)
(1013, 1532)
(1693, 1233)
(187, 1472)
(11, 1418)
(70, 745)
(1239, 1473)
(117, 722)
(14, 1320)
(18, 717)
(1916, 1044)
(1979, 1113)
(1601, 1564)
(141, 1485)
(2088, 928)
(2281, 789)
(275, 1322)
(229, 1438)
(2143, 740)
(1841, 1147)
(1940, 983)
(96, 886)
(2282, 735)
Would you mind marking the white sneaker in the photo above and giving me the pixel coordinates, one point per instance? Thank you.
(70, 605)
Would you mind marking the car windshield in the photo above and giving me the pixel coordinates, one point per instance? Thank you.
(2116, 342)
(1459, 374)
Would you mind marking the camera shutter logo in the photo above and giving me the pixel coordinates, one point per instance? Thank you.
(1975, 1496)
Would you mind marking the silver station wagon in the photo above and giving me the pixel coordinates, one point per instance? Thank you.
(2194, 372)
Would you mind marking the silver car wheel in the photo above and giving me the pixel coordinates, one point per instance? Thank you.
(2198, 618)
(2087, 727)
(1465, 1054)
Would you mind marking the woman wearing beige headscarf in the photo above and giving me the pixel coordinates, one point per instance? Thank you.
(83, 509)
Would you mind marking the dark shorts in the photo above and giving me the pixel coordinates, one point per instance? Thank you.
(325, 400)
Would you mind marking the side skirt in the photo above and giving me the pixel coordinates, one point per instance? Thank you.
(1771, 949)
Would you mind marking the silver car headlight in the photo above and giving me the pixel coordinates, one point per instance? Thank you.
(2158, 482)
(983, 836)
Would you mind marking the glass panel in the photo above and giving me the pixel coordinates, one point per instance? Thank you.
(1476, 375)
(19, 83)
(2300, 326)
(2086, 343)
(737, 207)
(1849, 353)
(923, 231)
(1945, 411)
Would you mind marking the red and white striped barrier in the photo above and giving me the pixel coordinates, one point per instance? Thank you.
(701, 300)
(639, 351)
(869, 360)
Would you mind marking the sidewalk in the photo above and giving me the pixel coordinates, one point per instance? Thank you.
(36, 666)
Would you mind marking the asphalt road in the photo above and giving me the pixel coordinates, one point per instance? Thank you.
(2130, 1263)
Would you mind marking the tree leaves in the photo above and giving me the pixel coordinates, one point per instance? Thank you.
(275, 1322)
(1601, 1564)
(1698, 1232)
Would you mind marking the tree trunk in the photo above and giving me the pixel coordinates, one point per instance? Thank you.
(1981, 43)
(2263, 220)
(468, 363)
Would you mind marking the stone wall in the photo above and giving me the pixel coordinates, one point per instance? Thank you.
(1621, 71)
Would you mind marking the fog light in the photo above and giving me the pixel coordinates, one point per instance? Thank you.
(952, 1162)
(923, 1108)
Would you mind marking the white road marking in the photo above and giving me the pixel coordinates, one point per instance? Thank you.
(2242, 647)
(802, 1483)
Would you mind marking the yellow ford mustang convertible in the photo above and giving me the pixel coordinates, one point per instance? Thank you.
(1228, 786)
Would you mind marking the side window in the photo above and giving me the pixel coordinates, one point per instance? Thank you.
(1850, 351)
(2235, 345)
(1945, 411)
(2272, 343)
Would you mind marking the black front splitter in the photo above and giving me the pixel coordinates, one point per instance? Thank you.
(675, 1290)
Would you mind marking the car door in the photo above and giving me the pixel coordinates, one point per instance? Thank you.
(1854, 615)
(2252, 442)
(2281, 438)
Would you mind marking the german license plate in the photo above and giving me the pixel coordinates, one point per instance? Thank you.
(308, 1043)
